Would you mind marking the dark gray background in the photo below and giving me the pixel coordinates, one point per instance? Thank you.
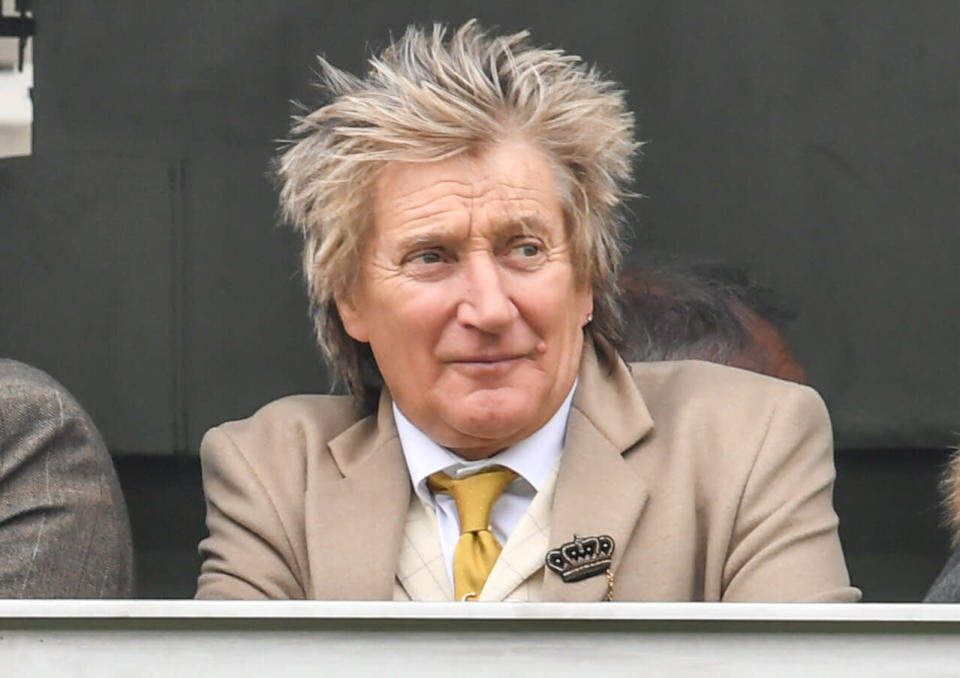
(816, 143)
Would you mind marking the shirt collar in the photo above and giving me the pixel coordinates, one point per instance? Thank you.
(532, 458)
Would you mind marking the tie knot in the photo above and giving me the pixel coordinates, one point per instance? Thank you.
(474, 495)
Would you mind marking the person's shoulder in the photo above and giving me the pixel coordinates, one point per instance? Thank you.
(678, 372)
(14, 370)
(723, 394)
(313, 415)
(723, 419)
(331, 409)
(702, 379)
(20, 378)
(282, 440)
(31, 394)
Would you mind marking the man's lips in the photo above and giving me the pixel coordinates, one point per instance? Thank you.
(497, 359)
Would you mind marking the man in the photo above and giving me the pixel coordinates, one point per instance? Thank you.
(459, 206)
(64, 531)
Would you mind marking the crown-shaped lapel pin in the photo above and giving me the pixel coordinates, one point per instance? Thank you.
(581, 558)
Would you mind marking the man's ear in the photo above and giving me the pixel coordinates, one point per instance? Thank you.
(584, 301)
(352, 316)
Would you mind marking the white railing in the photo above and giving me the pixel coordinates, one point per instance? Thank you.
(272, 639)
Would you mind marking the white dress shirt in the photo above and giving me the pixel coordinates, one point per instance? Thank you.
(532, 459)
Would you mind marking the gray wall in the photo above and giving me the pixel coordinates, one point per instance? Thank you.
(815, 143)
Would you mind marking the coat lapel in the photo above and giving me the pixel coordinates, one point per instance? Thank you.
(354, 524)
(597, 491)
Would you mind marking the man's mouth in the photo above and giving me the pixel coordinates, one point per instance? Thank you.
(488, 358)
(486, 362)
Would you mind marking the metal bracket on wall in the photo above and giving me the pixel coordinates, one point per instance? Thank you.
(20, 27)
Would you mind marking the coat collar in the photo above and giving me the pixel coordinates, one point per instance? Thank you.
(355, 523)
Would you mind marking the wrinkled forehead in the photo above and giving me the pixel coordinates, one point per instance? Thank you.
(510, 182)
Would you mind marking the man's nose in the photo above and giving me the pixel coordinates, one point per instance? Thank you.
(486, 303)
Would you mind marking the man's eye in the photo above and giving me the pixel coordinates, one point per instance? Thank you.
(427, 257)
(527, 250)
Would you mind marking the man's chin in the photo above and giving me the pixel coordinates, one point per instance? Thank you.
(486, 431)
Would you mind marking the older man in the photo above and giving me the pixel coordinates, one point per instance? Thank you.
(459, 207)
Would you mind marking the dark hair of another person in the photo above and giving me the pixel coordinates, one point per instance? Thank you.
(676, 309)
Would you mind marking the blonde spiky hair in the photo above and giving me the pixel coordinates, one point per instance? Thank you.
(426, 98)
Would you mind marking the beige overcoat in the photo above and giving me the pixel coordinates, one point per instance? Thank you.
(715, 484)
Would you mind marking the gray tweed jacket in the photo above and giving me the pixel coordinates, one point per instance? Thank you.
(64, 531)
(946, 588)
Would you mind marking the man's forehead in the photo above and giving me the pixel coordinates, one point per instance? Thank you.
(439, 230)
(462, 178)
(505, 192)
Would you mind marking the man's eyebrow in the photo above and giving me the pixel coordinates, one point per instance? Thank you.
(531, 223)
(527, 224)
(424, 238)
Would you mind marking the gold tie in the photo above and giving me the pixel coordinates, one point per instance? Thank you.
(477, 550)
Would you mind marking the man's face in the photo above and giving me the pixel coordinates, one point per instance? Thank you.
(468, 297)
